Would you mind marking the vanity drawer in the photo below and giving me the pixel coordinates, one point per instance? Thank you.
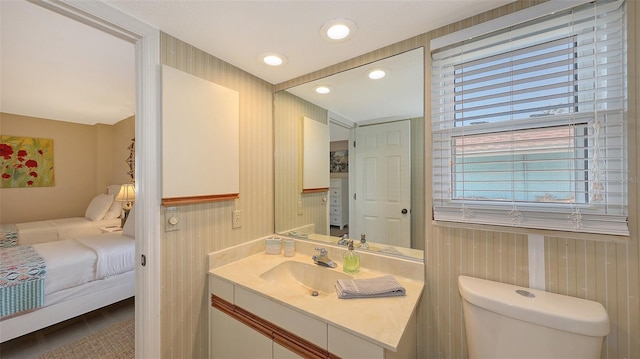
(335, 210)
(335, 201)
(336, 221)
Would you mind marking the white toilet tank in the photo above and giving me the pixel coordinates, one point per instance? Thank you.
(506, 321)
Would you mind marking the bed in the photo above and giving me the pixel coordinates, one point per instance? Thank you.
(69, 277)
(102, 212)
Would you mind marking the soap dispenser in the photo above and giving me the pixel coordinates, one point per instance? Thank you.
(351, 260)
(363, 242)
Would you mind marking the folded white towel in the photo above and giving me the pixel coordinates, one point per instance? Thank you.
(386, 286)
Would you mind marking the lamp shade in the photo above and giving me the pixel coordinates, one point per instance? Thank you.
(127, 193)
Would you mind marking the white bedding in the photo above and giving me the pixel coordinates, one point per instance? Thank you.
(127, 278)
(116, 253)
(73, 262)
(60, 229)
(69, 264)
(37, 232)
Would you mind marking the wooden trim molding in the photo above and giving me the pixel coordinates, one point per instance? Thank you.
(294, 343)
(315, 190)
(176, 201)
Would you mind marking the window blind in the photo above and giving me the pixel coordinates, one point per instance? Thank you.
(529, 124)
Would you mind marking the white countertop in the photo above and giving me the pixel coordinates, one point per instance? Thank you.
(378, 320)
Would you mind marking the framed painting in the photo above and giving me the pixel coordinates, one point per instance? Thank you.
(26, 162)
(339, 161)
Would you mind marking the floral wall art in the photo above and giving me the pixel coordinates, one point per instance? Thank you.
(26, 162)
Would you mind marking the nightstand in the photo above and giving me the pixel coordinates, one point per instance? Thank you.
(339, 202)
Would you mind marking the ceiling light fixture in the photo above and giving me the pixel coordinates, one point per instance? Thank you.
(376, 74)
(338, 30)
(272, 59)
(322, 89)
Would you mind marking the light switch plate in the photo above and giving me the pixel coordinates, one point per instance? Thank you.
(171, 220)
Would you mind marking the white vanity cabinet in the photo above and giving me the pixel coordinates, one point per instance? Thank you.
(243, 324)
(339, 202)
(280, 352)
(249, 325)
(346, 345)
(229, 338)
(233, 339)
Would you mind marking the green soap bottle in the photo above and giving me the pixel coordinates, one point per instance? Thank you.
(351, 260)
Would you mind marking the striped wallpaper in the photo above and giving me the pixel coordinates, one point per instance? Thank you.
(288, 113)
(207, 227)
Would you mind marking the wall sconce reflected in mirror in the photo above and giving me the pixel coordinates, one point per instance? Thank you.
(127, 196)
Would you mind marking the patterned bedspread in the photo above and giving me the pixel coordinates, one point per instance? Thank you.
(22, 272)
(9, 234)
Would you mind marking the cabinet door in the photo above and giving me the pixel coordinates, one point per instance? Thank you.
(280, 352)
(231, 339)
(347, 345)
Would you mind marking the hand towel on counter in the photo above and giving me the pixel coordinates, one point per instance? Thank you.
(386, 286)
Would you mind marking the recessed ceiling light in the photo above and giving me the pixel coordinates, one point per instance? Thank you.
(272, 59)
(322, 89)
(378, 73)
(338, 30)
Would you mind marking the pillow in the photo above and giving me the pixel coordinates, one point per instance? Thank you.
(113, 212)
(129, 228)
(113, 189)
(116, 208)
(98, 207)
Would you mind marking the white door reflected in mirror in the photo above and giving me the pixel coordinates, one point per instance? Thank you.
(383, 183)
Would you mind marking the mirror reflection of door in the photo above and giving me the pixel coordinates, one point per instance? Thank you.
(382, 183)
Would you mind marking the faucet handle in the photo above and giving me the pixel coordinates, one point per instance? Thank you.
(323, 251)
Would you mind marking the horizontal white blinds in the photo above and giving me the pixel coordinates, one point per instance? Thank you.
(529, 124)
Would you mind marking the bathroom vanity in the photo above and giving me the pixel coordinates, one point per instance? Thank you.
(272, 306)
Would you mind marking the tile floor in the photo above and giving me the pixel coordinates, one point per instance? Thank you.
(37, 343)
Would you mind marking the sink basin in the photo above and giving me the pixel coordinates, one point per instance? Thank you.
(303, 277)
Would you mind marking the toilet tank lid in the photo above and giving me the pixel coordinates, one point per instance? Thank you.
(552, 310)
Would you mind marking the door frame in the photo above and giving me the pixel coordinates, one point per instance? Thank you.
(146, 38)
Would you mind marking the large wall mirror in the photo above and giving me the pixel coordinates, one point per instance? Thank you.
(376, 157)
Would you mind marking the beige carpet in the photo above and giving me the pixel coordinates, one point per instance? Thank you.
(114, 342)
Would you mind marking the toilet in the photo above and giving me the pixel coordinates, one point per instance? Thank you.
(507, 321)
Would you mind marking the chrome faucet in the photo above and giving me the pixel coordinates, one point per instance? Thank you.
(323, 259)
(343, 240)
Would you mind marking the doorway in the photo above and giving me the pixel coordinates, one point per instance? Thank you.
(148, 148)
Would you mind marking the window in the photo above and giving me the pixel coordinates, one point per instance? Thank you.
(529, 124)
